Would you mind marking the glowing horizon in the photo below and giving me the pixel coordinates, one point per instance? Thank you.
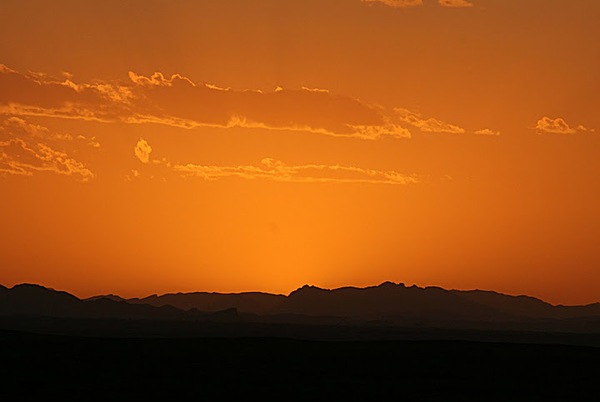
(156, 147)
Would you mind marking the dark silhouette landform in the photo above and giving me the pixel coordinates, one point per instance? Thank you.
(386, 311)
(376, 343)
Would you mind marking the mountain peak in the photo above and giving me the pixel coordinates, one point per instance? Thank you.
(390, 284)
(38, 292)
(308, 289)
(108, 296)
(31, 286)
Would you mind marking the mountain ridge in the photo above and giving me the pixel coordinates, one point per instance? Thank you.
(388, 303)
(349, 301)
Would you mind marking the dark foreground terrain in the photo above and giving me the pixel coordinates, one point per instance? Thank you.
(285, 369)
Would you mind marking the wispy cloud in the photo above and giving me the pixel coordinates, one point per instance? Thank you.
(271, 169)
(428, 125)
(276, 170)
(178, 101)
(25, 149)
(487, 131)
(14, 124)
(417, 3)
(397, 3)
(158, 79)
(547, 125)
(455, 3)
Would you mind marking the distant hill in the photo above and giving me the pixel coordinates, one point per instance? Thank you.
(35, 300)
(249, 302)
(386, 305)
(387, 300)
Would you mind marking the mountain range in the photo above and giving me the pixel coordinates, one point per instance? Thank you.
(388, 303)
(27, 300)
(387, 300)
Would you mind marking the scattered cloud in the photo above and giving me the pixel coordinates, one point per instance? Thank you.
(14, 123)
(134, 174)
(25, 149)
(21, 157)
(427, 125)
(158, 79)
(547, 125)
(585, 129)
(17, 125)
(455, 3)
(142, 150)
(487, 131)
(91, 141)
(397, 3)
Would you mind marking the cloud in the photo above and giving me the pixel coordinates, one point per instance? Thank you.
(180, 102)
(5, 70)
(21, 157)
(427, 125)
(455, 3)
(547, 125)
(92, 142)
(25, 149)
(14, 124)
(158, 79)
(397, 3)
(376, 132)
(17, 124)
(142, 150)
(585, 129)
(487, 131)
(417, 3)
(272, 169)
(275, 170)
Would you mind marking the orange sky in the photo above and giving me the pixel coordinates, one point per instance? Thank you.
(155, 146)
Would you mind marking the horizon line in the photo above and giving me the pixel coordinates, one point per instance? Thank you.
(403, 284)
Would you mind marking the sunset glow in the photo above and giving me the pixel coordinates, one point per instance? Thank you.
(171, 146)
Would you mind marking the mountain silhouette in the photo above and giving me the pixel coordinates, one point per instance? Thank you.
(386, 304)
(35, 300)
(248, 302)
(109, 296)
(378, 342)
(527, 306)
(387, 300)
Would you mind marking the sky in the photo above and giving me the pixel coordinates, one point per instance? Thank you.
(155, 146)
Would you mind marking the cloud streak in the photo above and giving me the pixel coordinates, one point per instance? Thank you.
(397, 3)
(417, 3)
(276, 170)
(180, 102)
(427, 125)
(455, 3)
(272, 169)
(487, 131)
